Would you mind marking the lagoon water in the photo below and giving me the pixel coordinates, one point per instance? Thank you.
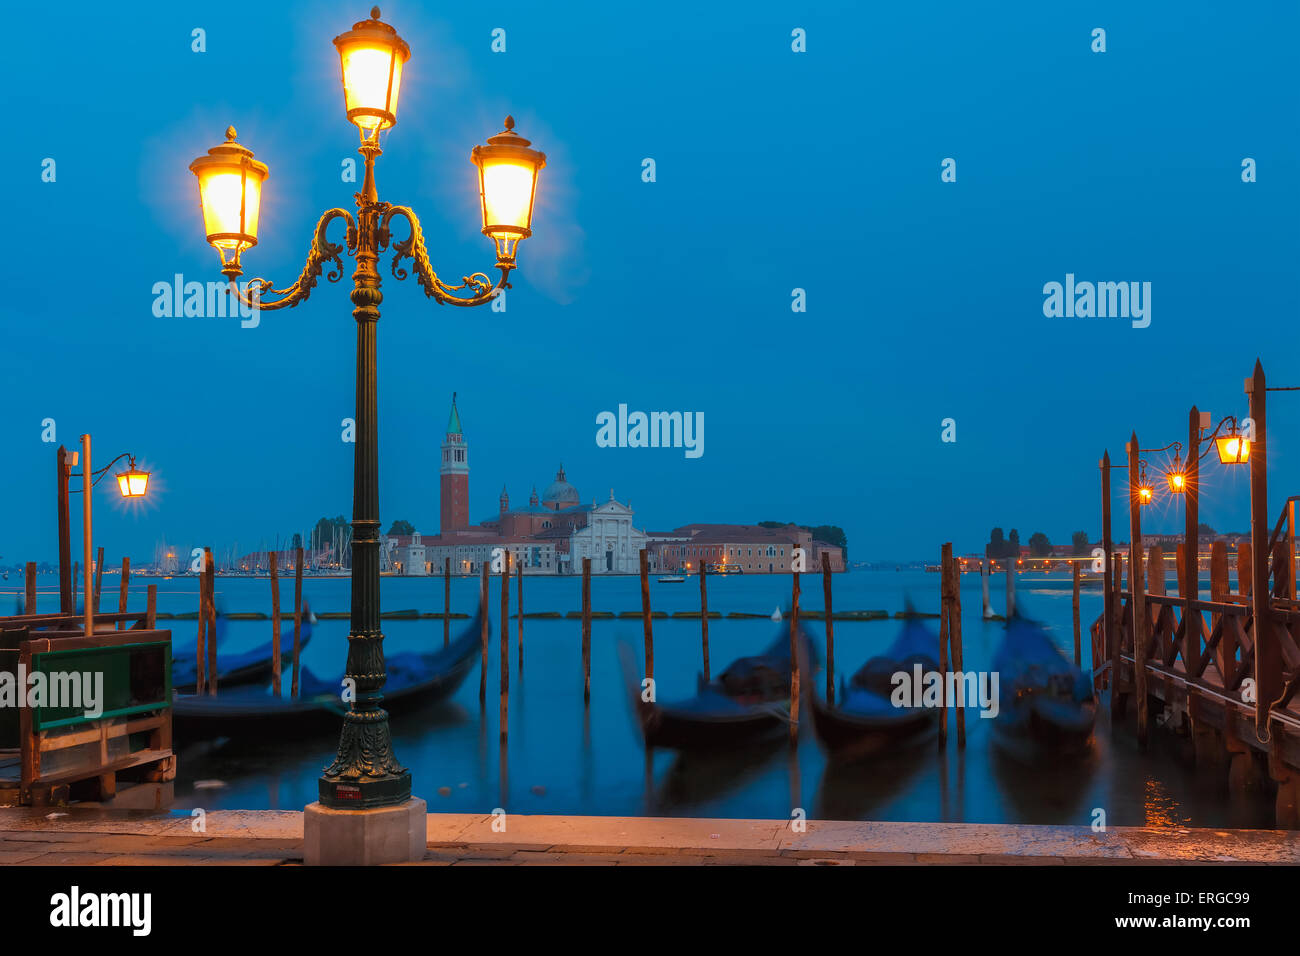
(562, 757)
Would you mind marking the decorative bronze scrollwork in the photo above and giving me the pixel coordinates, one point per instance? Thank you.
(322, 251)
(412, 247)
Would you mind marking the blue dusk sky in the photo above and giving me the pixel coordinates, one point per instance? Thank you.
(775, 170)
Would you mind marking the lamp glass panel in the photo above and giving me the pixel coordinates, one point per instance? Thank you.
(138, 481)
(365, 82)
(507, 194)
(220, 191)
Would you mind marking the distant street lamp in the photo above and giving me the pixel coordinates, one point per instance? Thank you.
(131, 483)
(365, 773)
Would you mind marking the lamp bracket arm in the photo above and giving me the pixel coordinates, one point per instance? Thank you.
(321, 252)
(480, 286)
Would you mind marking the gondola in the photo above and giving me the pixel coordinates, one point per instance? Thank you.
(1045, 703)
(866, 720)
(253, 666)
(747, 703)
(415, 679)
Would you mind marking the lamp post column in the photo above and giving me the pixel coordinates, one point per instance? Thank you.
(365, 773)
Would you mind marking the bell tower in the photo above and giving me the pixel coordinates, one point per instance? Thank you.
(454, 476)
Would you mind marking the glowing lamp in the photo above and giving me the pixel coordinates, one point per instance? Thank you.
(507, 184)
(1233, 449)
(1177, 482)
(1145, 494)
(132, 482)
(230, 193)
(371, 55)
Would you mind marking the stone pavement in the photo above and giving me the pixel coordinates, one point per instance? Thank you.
(42, 837)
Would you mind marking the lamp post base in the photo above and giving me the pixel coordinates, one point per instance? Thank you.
(368, 793)
(396, 834)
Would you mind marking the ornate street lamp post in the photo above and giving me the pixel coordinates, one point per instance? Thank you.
(365, 773)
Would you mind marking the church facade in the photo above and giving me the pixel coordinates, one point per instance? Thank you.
(552, 534)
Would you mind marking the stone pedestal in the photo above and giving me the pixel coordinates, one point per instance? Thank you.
(364, 837)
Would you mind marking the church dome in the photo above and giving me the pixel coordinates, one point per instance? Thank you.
(559, 493)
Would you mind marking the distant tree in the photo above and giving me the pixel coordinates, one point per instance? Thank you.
(1204, 528)
(997, 545)
(296, 542)
(402, 527)
(1079, 542)
(1039, 546)
(1013, 544)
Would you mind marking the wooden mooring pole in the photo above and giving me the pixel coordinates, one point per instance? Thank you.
(647, 625)
(1078, 649)
(1190, 586)
(945, 610)
(210, 572)
(1011, 588)
(704, 617)
(29, 588)
(830, 629)
(275, 624)
(519, 612)
(586, 629)
(505, 640)
(1268, 648)
(984, 586)
(122, 592)
(483, 632)
(99, 575)
(201, 649)
(151, 608)
(1137, 590)
(297, 618)
(794, 660)
(954, 639)
(446, 602)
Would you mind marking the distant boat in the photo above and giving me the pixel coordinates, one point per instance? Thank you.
(671, 579)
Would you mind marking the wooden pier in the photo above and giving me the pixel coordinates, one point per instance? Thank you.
(1223, 671)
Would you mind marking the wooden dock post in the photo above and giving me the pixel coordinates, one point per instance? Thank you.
(274, 562)
(1109, 622)
(519, 612)
(297, 618)
(67, 585)
(794, 660)
(1137, 590)
(945, 563)
(1219, 589)
(483, 632)
(99, 575)
(1190, 589)
(1011, 588)
(74, 586)
(1245, 571)
(446, 602)
(830, 629)
(586, 629)
(954, 639)
(984, 585)
(1268, 649)
(647, 625)
(1156, 570)
(201, 650)
(704, 617)
(151, 608)
(210, 572)
(29, 588)
(1078, 638)
(122, 592)
(505, 639)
